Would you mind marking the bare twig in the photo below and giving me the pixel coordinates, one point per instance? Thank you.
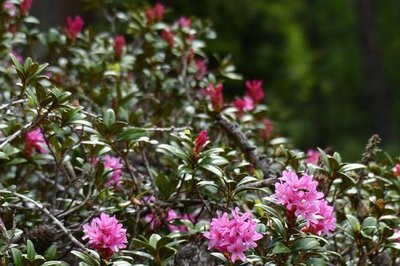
(151, 176)
(47, 212)
(239, 138)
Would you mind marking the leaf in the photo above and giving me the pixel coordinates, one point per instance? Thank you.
(305, 244)
(219, 256)
(154, 238)
(354, 223)
(280, 248)
(142, 254)
(213, 169)
(17, 257)
(131, 134)
(30, 250)
(86, 258)
(166, 252)
(351, 167)
(55, 263)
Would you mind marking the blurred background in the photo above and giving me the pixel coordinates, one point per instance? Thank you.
(330, 68)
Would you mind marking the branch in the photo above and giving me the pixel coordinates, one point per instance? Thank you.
(239, 138)
(46, 211)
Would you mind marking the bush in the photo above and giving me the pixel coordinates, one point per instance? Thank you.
(122, 151)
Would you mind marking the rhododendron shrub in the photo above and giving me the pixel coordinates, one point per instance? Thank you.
(127, 148)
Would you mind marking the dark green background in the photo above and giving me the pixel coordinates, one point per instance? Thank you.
(330, 68)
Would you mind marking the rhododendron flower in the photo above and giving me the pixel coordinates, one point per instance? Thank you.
(25, 6)
(34, 139)
(106, 235)
(301, 198)
(312, 156)
(267, 130)
(200, 141)
(396, 170)
(254, 90)
(185, 22)
(168, 37)
(155, 14)
(215, 94)
(201, 69)
(114, 164)
(10, 7)
(154, 222)
(325, 222)
(119, 45)
(396, 234)
(74, 27)
(233, 235)
(243, 104)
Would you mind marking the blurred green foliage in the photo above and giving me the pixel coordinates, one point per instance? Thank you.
(309, 54)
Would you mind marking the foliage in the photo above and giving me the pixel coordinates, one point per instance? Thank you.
(144, 110)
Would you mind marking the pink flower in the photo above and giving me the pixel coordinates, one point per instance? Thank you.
(312, 156)
(216, 97)
(106, 235)
(25, 6)
(200, 141)
(245, 104)
(396, 234)
(10, 7)
(74, 27)
(267, 130)
(185, 22)
(114, 164)
(325, 222)
(233, 235)
(18, 56)
(119, 45)
(155, 223)
(168, 37)
(201, 69)
(301, 198)
(34, 139)
(396, 170)
(254, 90)
(155, 14)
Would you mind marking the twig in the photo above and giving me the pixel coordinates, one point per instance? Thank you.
(239, 138)
(151, 176)
(5, 106)
(43, 209)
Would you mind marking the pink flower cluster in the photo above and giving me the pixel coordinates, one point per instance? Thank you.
(25, 6)
(201, 66)
(168, 37)
(267, 130)
(172, 215)
(396, 170)
(119, 45)
(114, 164)
(200, 141)
(233, 235)
(74, 27)
(185, 22)
(301, 198)
(34, 140)
(254, 95)
(155, 13)
(216, 97)
(312, 156)
(106, 235)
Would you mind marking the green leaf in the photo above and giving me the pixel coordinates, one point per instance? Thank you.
(166, 252)
(351, 167)
(354, 223)
(280, 248)
(305, 244)
(86, 258)
(30, 250)
(213, 169)
(142, 254)
(51, 252)
(131, 134)
(154, 238)
(17, 257)
(55, 263)
(219, 256)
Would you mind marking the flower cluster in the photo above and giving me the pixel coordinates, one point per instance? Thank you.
(168, 37)
(234, 236)
(216, 97)
(119, 45)
(155, 13)
(254, 95)
(396, 170)
(267, 130)
(113, 164)
(34, 140)
(312, 156)
(172, 215)
(106, 235)
(25, 6)
(200, 141)
(301, 198)
(74, 27)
